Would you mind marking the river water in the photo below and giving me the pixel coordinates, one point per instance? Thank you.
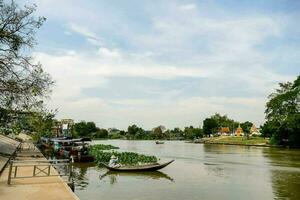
(208, 172)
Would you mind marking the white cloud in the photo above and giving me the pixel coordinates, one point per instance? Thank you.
(88, 34)
(109, 54)
(187, 7)
(109, 65)
(184, 42)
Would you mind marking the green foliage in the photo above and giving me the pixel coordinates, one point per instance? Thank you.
(41, 124)
(224, 121)
(125, 158)
(85, 129)
(101, 133)
(158, 133)
(214, 123)
(210, 126)
(283, 115)
(192, 133)
(23, 83)
(115, 136)
(246, 126)
(100, 147)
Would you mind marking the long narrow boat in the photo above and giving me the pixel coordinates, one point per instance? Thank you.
(152, 167)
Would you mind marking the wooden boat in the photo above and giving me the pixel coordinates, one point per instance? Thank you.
(151, 167)
(159, 142)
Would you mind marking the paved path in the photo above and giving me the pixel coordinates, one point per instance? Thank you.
(45, 188)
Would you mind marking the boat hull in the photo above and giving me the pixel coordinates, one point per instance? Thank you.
(139, 168)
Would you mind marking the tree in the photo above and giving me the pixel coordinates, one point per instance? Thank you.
(210, 126)
(192, 133)
(158, 133)
(224, 121)
(81, 129)
(23, 83)
(101, 133)
(85, 129)
(133, 129)
(283, 114)
(41, 123)
(91, 127)
(246, 126)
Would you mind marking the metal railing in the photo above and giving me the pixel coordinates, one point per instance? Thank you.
(40, 168)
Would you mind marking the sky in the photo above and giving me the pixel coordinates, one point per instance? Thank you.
(166, 62)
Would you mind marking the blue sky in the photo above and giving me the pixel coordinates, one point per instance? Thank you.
(166, 62)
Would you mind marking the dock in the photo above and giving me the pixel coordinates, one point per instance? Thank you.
(33, 186)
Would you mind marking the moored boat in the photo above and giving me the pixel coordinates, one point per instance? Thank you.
(150, 167)
(159, 142)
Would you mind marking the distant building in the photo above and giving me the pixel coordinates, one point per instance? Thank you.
(62, 127)
(254, 131)
(225, 131)
(57, 128)
(239, 131)
(113, 130)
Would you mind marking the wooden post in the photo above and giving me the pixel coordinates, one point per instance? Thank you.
(9, 173)
(16, 168)
(70, 172)
(34, 166)
(49, 169)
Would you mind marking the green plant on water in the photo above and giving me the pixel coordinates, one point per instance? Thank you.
(101, 147)
(125, 158)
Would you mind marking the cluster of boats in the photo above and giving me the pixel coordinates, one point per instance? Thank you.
(74, 149)
(77, 151)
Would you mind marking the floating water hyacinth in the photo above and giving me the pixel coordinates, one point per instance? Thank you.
(125, 158)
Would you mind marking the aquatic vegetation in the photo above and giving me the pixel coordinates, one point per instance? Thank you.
(101, 147)
(125, 158)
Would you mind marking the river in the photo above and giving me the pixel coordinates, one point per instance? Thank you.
(208, 172)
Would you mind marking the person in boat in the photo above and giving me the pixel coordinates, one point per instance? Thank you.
(114, 162)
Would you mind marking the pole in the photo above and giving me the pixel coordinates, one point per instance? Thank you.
(9, 173)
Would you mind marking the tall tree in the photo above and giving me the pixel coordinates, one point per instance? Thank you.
(23, 83)
(210, 126)
(246, 126)
(283, 114)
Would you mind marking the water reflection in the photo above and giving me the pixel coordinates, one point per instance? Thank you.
(155, 175)
(285, 173)
(201, 172)
(79, 175)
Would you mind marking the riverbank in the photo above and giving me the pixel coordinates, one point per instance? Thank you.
(232, 140)
(47, 188)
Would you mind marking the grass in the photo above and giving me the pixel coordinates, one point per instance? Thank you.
(239, 140)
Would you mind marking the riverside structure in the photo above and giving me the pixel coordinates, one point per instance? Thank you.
(35, 187)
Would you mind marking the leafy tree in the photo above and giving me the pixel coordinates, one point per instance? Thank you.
(176, 133)
(210, 126)
(158, 133)
(101, 133)
(246, 126)
(133, 129)
(86, 129)
(192, 133)
(135, 132)
(23, 83)
(224, 121)
(81, 129)
(41, 123)
(283, 114)
(91, 127)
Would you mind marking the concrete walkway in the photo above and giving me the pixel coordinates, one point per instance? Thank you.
(45, 188)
